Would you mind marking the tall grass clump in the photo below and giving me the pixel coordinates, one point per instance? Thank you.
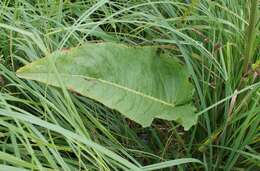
(45, 128)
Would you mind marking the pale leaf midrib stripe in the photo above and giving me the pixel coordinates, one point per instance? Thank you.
(118, 86)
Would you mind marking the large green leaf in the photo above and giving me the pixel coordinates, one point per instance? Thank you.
(140, 82)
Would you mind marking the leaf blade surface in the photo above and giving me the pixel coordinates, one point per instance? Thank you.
(139, 82)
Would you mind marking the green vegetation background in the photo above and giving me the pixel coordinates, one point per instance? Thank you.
(44, 128)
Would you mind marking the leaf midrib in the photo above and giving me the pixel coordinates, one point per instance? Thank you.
(117, 86)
